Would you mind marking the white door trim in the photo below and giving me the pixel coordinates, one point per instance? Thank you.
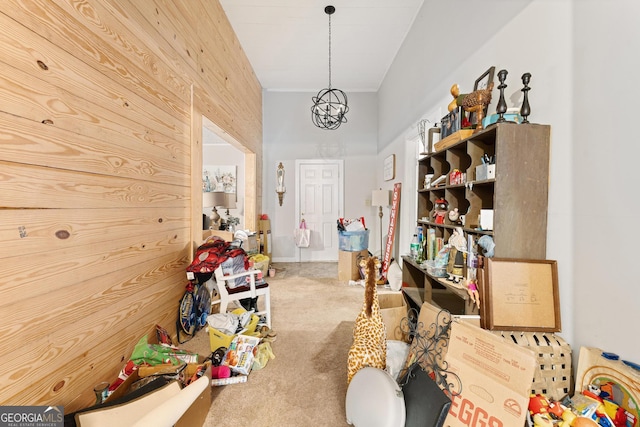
(340, 164)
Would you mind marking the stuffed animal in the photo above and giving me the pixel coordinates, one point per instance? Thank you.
(369, 346)
(487, 244)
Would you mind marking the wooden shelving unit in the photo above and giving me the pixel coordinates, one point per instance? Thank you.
(517, 195)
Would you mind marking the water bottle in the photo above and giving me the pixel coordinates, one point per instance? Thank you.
(420, 255)
(415, 246)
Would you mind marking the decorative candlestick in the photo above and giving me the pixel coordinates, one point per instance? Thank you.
(525, 110)
(501, 108)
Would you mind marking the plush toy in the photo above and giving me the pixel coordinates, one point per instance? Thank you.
(487, 244)
(440, 211)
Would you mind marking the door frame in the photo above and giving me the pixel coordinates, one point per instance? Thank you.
(299, 163)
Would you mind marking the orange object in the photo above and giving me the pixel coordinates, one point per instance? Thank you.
(584, 422)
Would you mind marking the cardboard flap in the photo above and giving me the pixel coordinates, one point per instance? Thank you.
(496, 378)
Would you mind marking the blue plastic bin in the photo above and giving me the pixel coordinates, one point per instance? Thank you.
(353, 241)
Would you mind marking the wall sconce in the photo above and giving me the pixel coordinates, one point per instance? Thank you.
(280, 180)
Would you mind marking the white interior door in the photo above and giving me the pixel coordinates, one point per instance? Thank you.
(320, 202)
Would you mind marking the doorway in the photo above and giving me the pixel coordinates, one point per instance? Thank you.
(320, 202)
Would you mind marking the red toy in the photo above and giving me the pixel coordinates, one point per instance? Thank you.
(441, 208)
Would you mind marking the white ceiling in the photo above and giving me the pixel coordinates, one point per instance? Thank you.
(287, 41)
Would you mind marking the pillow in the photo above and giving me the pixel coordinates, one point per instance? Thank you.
(394, 276)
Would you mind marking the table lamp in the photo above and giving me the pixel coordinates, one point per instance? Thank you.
(229, 201)
(211, 199)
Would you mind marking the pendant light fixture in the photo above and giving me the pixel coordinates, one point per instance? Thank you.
(330, 105)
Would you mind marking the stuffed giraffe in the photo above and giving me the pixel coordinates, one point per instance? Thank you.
(369, 346)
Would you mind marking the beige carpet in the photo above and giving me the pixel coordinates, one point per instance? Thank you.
(305, 385)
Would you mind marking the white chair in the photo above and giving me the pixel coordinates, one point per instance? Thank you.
(227, 291)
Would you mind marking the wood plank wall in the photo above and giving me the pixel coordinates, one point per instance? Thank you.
(99, 179)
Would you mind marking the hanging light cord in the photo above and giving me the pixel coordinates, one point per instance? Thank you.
(329, 51)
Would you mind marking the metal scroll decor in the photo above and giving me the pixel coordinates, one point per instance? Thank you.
(429, 346)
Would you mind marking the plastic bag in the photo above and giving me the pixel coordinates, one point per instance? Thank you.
(263, 355)
(301, 235)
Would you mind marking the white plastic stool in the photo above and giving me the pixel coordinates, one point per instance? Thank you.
(374, 399)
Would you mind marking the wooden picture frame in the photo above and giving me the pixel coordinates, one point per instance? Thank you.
(433, 136)
(389, 167)
(482, 82)
(485, 79)
(520, 295)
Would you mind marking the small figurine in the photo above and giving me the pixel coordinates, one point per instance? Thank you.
(477, 101)
(454, 216)
(472, 290)
(525, 110)
(457, 98)
(440, 211)
(501, 108)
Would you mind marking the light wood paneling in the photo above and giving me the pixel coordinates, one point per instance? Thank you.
(101, 106)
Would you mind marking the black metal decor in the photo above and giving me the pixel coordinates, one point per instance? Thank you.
(525, 110)
(431, 344)
(330, 104)
(501, 108)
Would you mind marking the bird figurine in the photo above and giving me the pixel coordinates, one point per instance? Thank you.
(477, 101)
(457, 97)
(454, 215)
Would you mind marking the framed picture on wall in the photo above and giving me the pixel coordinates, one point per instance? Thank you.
(389, 168)
(220, 178)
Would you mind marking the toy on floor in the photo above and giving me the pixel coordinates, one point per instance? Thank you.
(369, 346)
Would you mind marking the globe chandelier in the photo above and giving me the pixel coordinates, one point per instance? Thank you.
(329, 105)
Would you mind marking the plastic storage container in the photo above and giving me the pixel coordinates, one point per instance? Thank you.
(436, 271)
(353, 241)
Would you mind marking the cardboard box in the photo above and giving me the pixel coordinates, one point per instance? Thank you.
(486, 219)
(226, 235)
(496, 378)
(348, 268)
(240, 355)
(393, 309)
(429, 315)
(251, 245)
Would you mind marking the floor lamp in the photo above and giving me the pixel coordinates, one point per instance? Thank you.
(380, 198)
